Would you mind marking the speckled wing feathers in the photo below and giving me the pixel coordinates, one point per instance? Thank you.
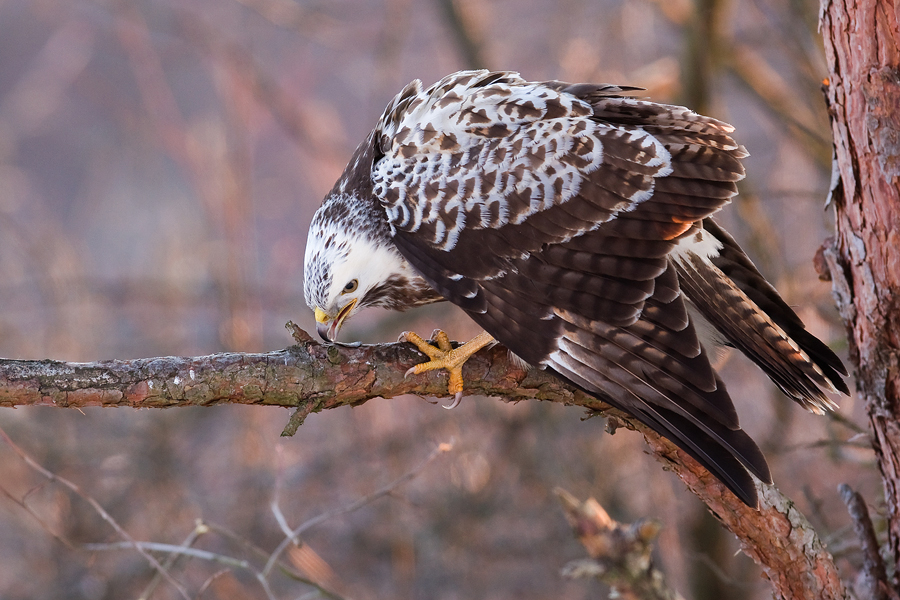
(467, 156)
(556, 216)
(553, 228)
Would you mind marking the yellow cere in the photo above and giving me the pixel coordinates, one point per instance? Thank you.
(321, 317)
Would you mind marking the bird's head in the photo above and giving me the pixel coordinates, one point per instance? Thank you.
(350, 263)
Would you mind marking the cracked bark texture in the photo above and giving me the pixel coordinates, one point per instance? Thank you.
(311, 377)
(862, 44)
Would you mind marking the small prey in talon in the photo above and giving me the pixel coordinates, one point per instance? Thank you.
(445, 356)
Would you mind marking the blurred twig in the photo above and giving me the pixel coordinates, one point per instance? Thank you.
(259, 552)
(209, 581)
(620, 554)
(709, 563)
(185, 549)
(192, 537)
(781, 99)
(711, 48)
(266, 89)
(703, 40)
(471, 50)
(292, 536)
(174, 550)
(324, 586)
(873, 581)
(304, 18)
(218, 171)
(129, 543)
(44, 525)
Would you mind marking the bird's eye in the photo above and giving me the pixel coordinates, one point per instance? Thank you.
(350, 287)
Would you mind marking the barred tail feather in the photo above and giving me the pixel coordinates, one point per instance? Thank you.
(797, 362)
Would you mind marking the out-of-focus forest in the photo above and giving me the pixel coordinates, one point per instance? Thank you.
(159, 165)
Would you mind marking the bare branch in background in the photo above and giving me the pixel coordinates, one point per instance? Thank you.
(174, 551)
(302, 556)
(189, 541)
(471, 49)
(703, 39)
(266, 89)
(711, 49)
(306, 19)
(780, 98)
(872, 581)
(129, 541)
(620, 554)
(292, 536)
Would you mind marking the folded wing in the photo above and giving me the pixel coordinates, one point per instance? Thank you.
(558, 217)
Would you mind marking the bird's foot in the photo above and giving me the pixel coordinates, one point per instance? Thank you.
(445, 356)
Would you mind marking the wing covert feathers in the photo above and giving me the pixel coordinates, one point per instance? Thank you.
(572, 223)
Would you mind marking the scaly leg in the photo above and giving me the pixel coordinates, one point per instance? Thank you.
(444, 356)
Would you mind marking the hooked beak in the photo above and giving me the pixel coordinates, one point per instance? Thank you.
(328, 328)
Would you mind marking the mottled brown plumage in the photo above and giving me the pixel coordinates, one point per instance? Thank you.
(573, 224)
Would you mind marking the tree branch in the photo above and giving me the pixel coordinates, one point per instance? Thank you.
(620, 554)
(311, 377)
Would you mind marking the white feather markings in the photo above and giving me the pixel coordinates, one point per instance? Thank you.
(336, 254)
(457, 116)
(697, 243)
(712, 340)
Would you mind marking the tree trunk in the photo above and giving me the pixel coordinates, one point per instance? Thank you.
(862, 44)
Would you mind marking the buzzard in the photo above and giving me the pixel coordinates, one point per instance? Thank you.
(573, 222)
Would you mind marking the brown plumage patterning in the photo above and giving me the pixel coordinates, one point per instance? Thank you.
(573, 223)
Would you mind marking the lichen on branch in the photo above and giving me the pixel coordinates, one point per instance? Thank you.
(311, 377)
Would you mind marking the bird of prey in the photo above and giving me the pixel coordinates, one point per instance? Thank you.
(573, 222)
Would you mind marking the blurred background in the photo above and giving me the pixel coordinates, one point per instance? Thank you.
(160, 162)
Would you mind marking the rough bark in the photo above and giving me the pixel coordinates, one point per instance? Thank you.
(862, 43)
(311, 377)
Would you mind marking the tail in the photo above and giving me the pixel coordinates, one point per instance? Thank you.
(729, 291)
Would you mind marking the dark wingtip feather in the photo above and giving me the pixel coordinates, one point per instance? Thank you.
(730, 455)
(734, 470)
(740, 270)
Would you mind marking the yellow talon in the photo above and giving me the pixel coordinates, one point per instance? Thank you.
(445, 356)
